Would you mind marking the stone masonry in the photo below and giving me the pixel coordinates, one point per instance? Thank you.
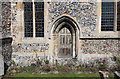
(102, 46)
(84, 13)
(1, 65)
(92, 45)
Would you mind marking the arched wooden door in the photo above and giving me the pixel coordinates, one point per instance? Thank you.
(65, 43)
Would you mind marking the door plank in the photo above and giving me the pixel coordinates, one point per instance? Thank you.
(65, 44)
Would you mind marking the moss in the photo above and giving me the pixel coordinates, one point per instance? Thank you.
(115, 58)
(47, 62)
(60, 67)
(53, 69)
(12, 62)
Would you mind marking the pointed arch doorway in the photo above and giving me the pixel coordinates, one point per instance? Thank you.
(65, 40)
(64, 37)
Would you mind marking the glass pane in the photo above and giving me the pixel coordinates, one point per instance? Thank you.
(28, 19)
(107, 21)
(39, 19)
(118, 16)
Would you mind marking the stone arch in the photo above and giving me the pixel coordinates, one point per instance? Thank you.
(73, 27)
(69, 26)
(61, 19)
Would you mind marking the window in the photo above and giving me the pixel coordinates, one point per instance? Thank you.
(39, 19)
(28, 19)
(109, 14)
(118, 16)
(107, 20)
(31, 28)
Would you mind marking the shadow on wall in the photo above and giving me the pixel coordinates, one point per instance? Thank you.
(6, 52)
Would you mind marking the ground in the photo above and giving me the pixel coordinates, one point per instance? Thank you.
(54, 71)
(45, 69)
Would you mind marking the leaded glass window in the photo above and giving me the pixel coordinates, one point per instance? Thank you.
(39, 19)
(118, 16)
(107, 20)
(28, 19)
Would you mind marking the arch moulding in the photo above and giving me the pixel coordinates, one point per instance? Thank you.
(56, 26)
(64, 18)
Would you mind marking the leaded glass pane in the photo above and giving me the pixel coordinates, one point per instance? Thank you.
(39, 19)
(118, 16)
(28, 19)
(107, 21)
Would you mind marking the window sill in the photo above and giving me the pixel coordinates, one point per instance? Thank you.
(108, 31)
(33, 39)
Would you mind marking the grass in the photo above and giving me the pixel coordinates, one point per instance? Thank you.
(59, 76)
(34, 71)
(26, 74)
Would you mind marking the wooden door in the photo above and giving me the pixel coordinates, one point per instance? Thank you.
(65, 43)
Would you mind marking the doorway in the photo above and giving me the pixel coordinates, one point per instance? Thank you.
(64, 35)
(65, 43)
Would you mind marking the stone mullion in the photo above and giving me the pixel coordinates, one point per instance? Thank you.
(33, 19)
(115, 16)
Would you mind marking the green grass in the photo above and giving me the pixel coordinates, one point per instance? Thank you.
(26, 74)
(111, 76)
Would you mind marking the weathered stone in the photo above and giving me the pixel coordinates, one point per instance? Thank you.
(14, 71)
(31, 47)
(100, 46)
(6, 19)
(26, 51)
(1, 65)
(116, 75)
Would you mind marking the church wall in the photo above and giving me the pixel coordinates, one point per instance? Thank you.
(83, 13)
(5, 25)
(5, 32)
(86, 14)
(100, 46)
(26, 49)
